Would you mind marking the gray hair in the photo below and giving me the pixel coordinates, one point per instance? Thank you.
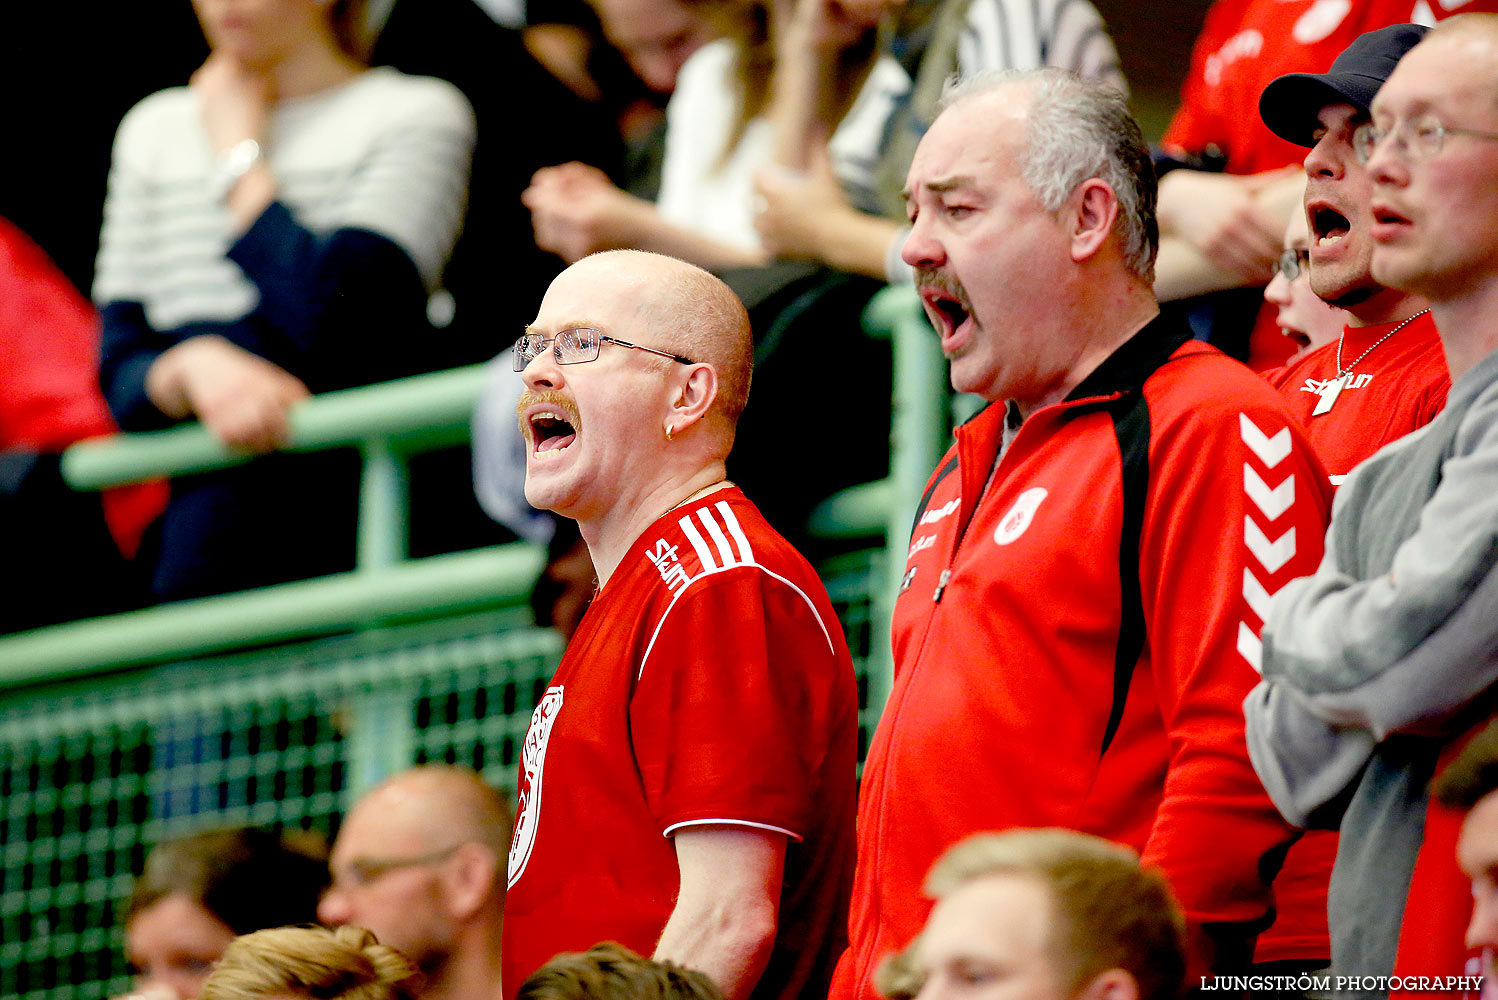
(1079, 130)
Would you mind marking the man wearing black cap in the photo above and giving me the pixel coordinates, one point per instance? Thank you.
(1386, 375)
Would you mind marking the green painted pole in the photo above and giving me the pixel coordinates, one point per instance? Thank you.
(384, 507)
(412, 414)
(439, 585)
(917, 442)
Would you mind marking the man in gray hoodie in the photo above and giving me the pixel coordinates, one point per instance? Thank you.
(1377, 665)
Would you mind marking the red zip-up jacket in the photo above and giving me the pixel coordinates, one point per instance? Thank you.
(1076, 631)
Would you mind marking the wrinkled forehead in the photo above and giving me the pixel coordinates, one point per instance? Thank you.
(977, 141)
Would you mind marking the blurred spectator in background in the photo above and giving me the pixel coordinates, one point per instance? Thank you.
(715, 137)
(853, 218)
(52, 178)
(272, 230)
(66, 552)
(625, 54)
(611, 971)
(1226, 181)
(1045, 915)
(198, 892)
(312, 963)
(1307, 319)
(419, 860)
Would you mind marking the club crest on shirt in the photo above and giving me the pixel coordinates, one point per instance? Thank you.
(532, 760)
(1014, 523)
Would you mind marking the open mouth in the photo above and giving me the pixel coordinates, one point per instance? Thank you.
(946, 307)
(551, 433)
(1300, 340)
(951, 311)
(1328, 226)
(549, 421)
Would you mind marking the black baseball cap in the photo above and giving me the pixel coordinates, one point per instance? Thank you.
(1290, 104)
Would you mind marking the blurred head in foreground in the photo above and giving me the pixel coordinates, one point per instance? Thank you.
(611, 971)
(1042, 915)
(312, 963)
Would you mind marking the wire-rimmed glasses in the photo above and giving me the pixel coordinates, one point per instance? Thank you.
(577, 345)
(1416, 139)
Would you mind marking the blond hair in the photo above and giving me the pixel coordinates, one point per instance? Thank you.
(312, 962)
(1109, 913)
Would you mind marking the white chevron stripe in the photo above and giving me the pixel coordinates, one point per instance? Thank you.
(1255, 594)
(698, 542)
(746, 554)
(1250, 648)
(1271, 555)
(1272, 502)
(1271, 450)
(719, 539)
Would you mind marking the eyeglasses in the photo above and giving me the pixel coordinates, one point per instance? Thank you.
(1293, 261)
(1416, 139)
(363, 871)
(574, 346)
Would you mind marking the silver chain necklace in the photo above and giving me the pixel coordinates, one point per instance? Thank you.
(1333, 388)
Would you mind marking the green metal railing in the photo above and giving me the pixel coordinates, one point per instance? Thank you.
(280, 705)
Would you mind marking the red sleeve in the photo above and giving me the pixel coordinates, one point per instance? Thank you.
(1433, 401)
(737, 675)
(1220, 536)
(49, 342)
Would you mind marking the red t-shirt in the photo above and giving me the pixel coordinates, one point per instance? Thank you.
(1398, 386)
(708, 683)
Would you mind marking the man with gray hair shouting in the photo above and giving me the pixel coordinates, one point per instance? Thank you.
(1079, 618)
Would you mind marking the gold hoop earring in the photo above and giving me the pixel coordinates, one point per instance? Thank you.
(668, 432)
